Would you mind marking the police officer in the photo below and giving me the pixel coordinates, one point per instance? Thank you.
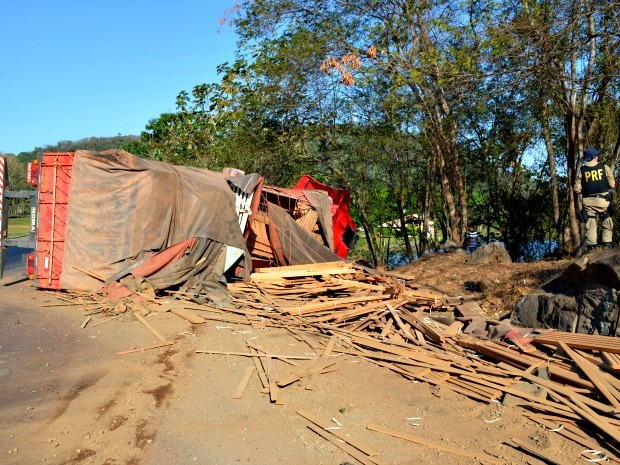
(594, 181)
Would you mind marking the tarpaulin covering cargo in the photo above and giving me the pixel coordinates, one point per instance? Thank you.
(309, 223)
(124, 210)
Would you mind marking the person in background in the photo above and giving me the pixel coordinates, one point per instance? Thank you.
(594, 181)
(472, 239)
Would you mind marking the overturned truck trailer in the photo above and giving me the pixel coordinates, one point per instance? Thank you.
(110, 219)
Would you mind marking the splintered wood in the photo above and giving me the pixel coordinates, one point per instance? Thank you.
(341, 310)
(389, 322)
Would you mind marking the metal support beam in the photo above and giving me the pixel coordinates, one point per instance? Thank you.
(19, 194)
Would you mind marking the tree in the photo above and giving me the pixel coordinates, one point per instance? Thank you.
(571, 49)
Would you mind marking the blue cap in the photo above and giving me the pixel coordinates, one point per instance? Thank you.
(590, 154)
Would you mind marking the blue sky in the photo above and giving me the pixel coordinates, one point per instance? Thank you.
(71, 69)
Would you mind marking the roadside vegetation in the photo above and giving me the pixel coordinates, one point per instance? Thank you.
(19, 226)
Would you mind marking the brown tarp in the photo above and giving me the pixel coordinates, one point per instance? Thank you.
(321, 203)
(123, 209)
(297, 246)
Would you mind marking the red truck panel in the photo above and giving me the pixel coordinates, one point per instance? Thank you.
(53, 202)
(341, 217)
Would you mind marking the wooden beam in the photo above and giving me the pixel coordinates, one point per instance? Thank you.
(454, 450)
(142, 349)
(150, 328)
(243, 383)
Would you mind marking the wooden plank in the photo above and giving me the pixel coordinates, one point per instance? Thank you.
(452, 330)
(578, 404)
(590, 371)
(612, 360)
(142, 349)
(454, 450)
(325, 425)
(259, 368)
(243, 384)
(352, 451)
(564, 430)
(332, 304)
(274, 390)
(150, 328)
(421, 326)
(188, 315)
(309, 220)
(580, 341)
(469, 309)
(246, 354)
(387, 328)
(107, 319)
(357, 284)
(310, 268)
(85, 322)
(535, 451)
(400, 323)
(92, 274)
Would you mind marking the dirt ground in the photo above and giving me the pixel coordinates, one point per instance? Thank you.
(497, 287)
(68, 398)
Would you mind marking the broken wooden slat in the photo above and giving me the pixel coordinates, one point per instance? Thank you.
(469, 309)
(590, 371)
(106, 320)
(326, 426)
(259, 368)
(85, 322)
(535, 451)
(612, 360)
(142, 349)
(580, 341)
(332, 304)
(352, 451)
(420, 440)
(452, 330)
(243, 383)
(245, 354)
(150, 328)
(188, 315)
(274, 391)
(92, 274)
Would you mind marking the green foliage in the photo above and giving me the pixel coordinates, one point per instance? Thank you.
(454, 111)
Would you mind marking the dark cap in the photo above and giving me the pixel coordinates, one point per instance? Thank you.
(590, 154)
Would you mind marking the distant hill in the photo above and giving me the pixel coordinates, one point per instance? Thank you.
(90, 143)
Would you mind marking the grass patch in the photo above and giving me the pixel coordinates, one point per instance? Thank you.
(19, 226)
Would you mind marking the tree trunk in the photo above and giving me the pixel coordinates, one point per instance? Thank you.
(452, 222)
(551, 159)
(571, 151)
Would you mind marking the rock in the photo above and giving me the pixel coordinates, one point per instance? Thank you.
(545, 310)
(499, 330)
(584, 298)
(450, 246)
(490, 253)
(477, 327)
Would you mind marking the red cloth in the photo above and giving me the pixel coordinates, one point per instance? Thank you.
(163, 258)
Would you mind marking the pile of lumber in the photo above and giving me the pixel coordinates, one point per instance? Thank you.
(343, 310)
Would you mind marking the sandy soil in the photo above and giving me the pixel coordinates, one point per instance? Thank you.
(68, 398)
(497, 287)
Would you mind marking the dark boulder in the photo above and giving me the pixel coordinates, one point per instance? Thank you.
(583, 299)
(493, 252)
(450, 246)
